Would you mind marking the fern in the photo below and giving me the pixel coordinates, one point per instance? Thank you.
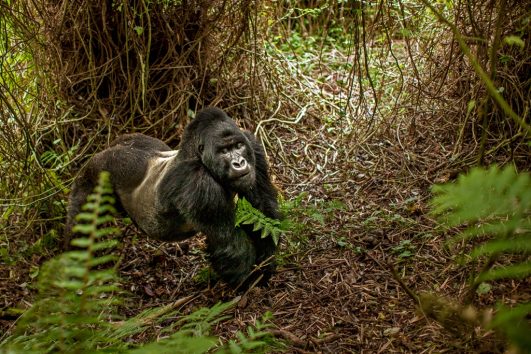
(189, 334)
(246, 214)
(495, 207)
(76, 299)
(493, 202)
(256, 340)
(200, 321)
(514, 322)
(193, 333)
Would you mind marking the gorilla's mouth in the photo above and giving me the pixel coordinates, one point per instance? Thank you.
(236, 174)
(240, 174)
(243, 180)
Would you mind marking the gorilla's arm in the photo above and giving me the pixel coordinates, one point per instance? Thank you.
(194, 192)
(263, 196)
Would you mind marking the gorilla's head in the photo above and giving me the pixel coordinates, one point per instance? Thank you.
(222, 147)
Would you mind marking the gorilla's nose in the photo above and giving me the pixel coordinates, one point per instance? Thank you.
(239, 164)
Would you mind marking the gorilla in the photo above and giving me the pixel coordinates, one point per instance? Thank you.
(172, 194)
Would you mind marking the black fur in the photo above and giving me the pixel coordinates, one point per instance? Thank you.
(171, 196)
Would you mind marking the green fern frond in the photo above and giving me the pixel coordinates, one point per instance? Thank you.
(495, 207)
(493, 204)
(179, 344)
(246, 214)
(258, 339)
(515, 324)
(198, 322)
(74, 295)
(485, 195)
(189, 334)
(520, 245)
(515, 271)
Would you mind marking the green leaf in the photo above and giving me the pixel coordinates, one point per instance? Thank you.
(104, 245)
(104, 218)
(85, 216)
(342, 242)
(264, 233)
(69, 284)
(102, 260)
(81, 242)
(318, 217)
(86, 229)
(513, 322)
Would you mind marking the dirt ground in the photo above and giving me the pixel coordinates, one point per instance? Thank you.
(334, 291)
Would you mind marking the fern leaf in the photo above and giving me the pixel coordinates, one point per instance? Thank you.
(78, 255)
(68, 284)
(178, 343)
(246, 214)
(492, 202)
(495, 207)
(516, 271)
(104, 218)
(83, 228)
(515, 324)
(102, 260)
(81, 242)
(482, 195)
(101, 232)
(102, 245)
(517, 245)
(67, 315)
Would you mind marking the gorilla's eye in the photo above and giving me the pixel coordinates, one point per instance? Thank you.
(224, 150)
(239, 145)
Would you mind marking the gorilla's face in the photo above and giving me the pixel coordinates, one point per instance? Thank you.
(227, 154)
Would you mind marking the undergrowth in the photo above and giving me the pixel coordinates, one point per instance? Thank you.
(79, 296)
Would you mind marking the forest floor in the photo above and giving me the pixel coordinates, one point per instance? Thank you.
(364, 212)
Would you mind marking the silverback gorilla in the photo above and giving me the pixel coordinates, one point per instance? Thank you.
(172, 194)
